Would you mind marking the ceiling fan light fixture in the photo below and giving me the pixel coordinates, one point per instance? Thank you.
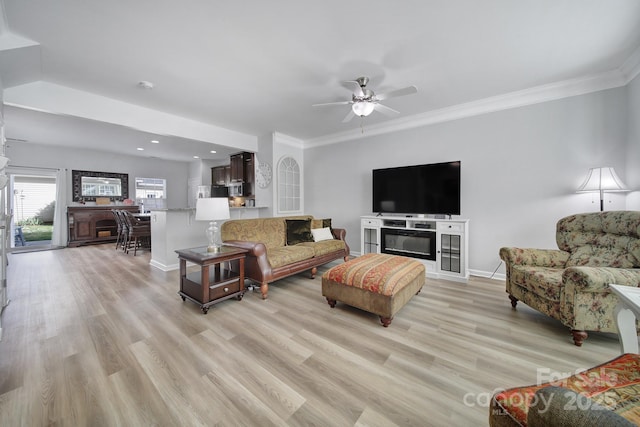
(362, 108)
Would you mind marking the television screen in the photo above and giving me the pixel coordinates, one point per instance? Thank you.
(421, 189)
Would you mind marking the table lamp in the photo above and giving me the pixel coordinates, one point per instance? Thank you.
(212, 209)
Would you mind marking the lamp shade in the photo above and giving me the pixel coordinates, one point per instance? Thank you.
(602, 179)
(362, 108)
(212, 209)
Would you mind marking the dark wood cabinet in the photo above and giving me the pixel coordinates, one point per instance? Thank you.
(220, 175)
(242, 167)
(237, 167)
(249, 170)
(241, 170)
(93, 224)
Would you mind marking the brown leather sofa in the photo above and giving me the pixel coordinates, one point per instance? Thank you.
(282, 246)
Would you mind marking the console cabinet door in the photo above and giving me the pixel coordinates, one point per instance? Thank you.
(83, 227)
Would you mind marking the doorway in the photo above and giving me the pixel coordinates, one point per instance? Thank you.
(31, 203)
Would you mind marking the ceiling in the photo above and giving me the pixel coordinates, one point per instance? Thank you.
(255, 67)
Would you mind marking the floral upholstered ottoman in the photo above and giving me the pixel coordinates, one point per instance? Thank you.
(378, 283)
(606, 395)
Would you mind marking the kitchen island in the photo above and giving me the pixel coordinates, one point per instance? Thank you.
(174, 229)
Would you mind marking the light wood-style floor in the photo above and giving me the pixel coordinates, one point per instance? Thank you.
(95, 337)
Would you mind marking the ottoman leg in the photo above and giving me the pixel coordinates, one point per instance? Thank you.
(314, 270)
(264, 289)
(386, 321)
(331, 302)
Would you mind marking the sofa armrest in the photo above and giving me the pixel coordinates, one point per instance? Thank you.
(597, 279)
(340, 234)
(256, 250)
(534, 257)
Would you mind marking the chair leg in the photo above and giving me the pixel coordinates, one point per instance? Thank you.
(579, 337)
(514, 301)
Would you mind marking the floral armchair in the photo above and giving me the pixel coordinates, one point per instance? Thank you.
(572, 284)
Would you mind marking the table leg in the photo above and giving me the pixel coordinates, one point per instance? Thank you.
(204, 280)
(626, 324)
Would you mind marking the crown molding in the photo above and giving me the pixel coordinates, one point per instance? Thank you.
(631, 67)
(549, 92)
(281, 138)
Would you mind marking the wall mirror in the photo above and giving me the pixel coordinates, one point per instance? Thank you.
(87, 185)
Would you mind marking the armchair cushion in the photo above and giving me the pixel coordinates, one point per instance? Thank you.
(608, 239)
(543, 281)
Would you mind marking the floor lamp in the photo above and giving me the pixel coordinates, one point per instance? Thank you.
(602, 180)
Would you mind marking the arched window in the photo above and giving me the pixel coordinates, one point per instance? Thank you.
(288, 185)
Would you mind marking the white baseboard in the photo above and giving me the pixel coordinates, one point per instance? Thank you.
(488, 275)
(164, 267)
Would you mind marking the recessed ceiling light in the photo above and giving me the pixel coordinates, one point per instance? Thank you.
(140, 149)
(196, 157)
(213, 151)
(155, 141)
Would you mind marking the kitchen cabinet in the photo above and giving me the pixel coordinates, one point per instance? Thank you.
(220, 175)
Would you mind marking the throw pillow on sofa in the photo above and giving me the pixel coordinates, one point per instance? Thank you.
(321, 223)
(298, 231)
(320, 234)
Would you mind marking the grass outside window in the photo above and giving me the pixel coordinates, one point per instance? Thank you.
(35, 233)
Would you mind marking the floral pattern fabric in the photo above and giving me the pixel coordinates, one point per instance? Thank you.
(603, 239)
(378, 273)
(572, 284)
(614, 385)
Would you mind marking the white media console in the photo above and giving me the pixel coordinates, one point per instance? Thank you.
(440, 244)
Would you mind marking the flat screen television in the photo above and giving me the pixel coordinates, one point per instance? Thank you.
(421, 189)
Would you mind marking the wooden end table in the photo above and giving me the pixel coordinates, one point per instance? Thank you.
(626, 312)
(211, 285)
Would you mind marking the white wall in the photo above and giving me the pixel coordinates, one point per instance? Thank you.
(520, 169)
(266, 196)
(633, 144)
(35, 155)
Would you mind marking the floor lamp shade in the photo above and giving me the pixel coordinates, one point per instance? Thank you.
(602, 180)
(212, 209)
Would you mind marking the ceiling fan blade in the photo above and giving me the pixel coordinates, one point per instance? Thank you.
(333, 103)
(357, 90)
(385, 110)
(398, 92)
(350, 116)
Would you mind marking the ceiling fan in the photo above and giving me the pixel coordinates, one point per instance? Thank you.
(364, 101)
